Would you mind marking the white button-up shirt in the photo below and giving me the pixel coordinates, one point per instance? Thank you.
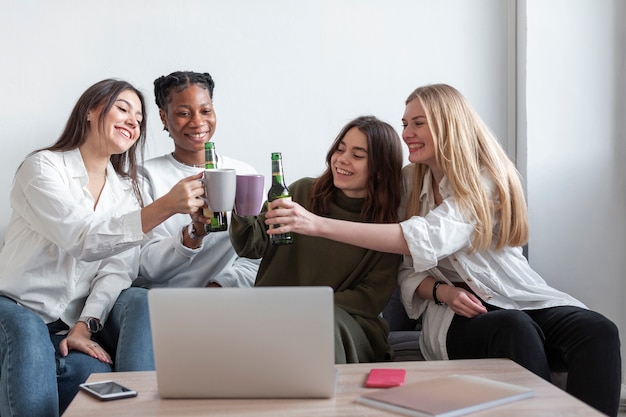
(62, 258)
(439, 241)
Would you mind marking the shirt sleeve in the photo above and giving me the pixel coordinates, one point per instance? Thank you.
(241, 273)
(248, 235)
(442, 232)
(114, 275)
(44, 197)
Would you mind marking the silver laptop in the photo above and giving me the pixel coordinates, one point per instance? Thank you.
(263, 342)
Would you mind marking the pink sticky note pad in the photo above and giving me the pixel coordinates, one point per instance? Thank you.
(385, 378)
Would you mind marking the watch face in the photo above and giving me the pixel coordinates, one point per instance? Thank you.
(94, 325)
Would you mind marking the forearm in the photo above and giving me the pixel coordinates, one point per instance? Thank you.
(242, 273)
(425, 289)
(164, 258)
(379, 237)
(155, 213)
(248, 237)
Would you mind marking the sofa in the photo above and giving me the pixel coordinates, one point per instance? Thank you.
(404, 332)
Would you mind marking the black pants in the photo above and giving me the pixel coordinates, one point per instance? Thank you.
(585, 342)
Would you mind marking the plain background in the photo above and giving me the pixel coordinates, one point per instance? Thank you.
(546, 75)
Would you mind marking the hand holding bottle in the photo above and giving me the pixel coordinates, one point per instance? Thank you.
(278, 190)
(286, 216)
(219, 219)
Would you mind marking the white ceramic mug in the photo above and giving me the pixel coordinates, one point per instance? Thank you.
(220, 186)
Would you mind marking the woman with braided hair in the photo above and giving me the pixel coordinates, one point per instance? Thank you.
(182, 253)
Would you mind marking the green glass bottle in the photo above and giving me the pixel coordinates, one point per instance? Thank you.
(219, 220)
(279, 190)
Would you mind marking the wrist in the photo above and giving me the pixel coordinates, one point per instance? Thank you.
(92, 324)
(435, 287)
(193, 232)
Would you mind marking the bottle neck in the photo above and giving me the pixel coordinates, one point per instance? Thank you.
(277, 172)
(210, 159)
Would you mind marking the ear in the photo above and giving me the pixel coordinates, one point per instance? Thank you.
(163, 117)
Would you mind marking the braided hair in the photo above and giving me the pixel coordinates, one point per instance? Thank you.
(180, 80)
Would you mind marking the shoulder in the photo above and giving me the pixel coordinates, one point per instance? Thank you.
(489, 185)
(408, 171)
(157, 162)
(300, 191)
(165, 167)
(47, 161)
(240, 166)
(303, 184)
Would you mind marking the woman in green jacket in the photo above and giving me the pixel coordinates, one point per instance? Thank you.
(362, 182)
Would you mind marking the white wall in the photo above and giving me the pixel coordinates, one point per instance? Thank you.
(576, 177)
(289, 74)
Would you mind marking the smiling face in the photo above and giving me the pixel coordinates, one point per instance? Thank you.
(190, 119)
(121, 125)
(417, 135)
(349, 164)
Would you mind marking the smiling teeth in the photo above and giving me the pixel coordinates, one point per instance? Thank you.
(197, 135)
(124, 132)
(342, 172)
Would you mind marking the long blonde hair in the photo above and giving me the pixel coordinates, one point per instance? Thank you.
(465, 149)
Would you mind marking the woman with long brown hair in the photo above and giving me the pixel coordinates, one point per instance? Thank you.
(361, 183)
(71, 252)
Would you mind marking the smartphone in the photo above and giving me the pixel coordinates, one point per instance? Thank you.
(108, 390)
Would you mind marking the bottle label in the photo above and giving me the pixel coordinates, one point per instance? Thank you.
(274, 226)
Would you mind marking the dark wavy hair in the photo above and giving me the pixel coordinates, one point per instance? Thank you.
(180, 80)
(104, 93)
(384, 161)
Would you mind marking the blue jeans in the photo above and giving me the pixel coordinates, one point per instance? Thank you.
(36, 381)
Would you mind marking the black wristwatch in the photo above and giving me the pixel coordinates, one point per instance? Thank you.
(92, 323)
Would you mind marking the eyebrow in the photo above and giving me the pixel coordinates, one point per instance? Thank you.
(418, 117)
(357, 148)
(138, 113)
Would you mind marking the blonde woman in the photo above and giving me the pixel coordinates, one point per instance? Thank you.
(464, 272)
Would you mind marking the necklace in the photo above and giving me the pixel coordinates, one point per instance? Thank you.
(185, 163)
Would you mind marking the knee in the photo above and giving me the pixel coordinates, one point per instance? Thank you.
(133, 296)
(605, 328)
(601, 330)
(18, 319)
(26, 333)
(516, 325)
(75, 368)
(132, 301)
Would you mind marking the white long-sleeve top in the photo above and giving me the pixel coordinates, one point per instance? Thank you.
(61, 257)
(165, 261)
(439, 241)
